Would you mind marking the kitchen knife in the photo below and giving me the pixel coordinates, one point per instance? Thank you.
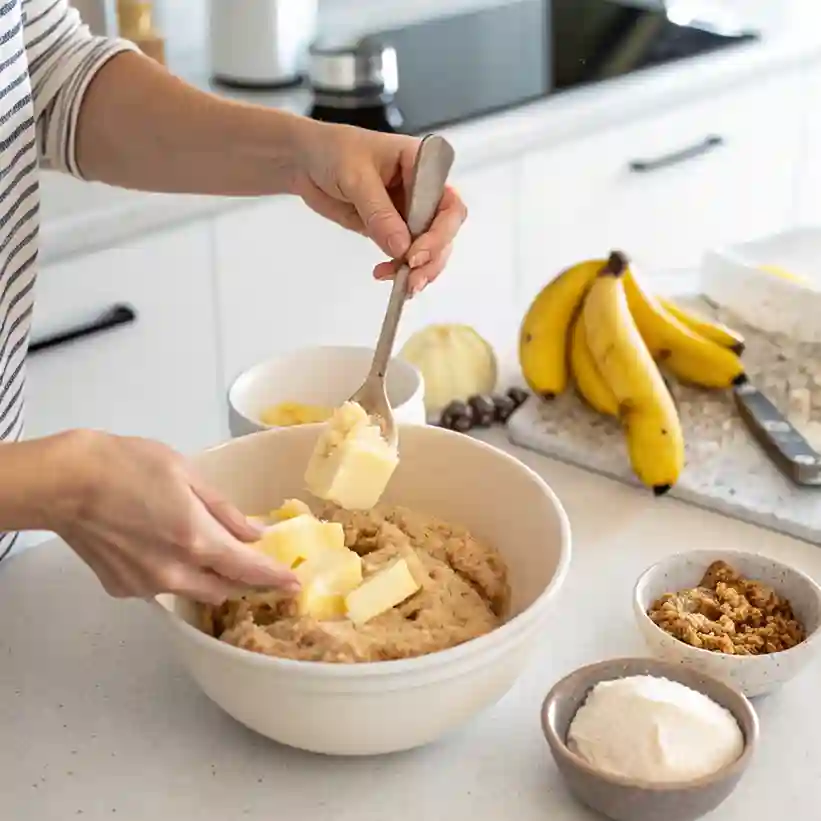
(792, 453)
(774, 305)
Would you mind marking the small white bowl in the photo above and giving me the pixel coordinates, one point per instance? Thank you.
(753, 675)
(386, 706)
(325, 375)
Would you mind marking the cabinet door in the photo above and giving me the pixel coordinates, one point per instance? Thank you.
(479, 285)
(154, 372)
(667, 187)
(288, 278)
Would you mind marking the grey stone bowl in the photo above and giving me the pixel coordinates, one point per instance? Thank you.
(624, 800)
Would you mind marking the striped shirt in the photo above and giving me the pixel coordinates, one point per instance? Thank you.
(47, 61)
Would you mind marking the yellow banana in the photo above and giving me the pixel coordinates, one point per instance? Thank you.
(655, 441)
(543, 337)
(589, 382)
(686, 354)
(714, 331)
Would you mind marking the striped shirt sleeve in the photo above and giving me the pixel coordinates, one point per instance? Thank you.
(63, 57)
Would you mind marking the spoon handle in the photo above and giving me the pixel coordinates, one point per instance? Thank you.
(430, 172)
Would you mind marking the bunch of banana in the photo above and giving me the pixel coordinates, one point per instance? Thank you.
(596, 323)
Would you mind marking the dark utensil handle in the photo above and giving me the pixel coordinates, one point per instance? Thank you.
(792, 453)
(675, 157)
(116, 315)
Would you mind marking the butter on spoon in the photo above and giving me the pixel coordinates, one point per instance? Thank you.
(352, 462)
(357, 452)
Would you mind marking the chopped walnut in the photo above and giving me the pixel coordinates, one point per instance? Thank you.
(727, 613)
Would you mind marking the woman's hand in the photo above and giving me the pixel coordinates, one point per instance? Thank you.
(359, 179)
(145, 524)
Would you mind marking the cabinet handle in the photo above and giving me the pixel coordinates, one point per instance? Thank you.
(674, 157)
(118, 314)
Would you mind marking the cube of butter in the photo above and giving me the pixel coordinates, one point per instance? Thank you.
(352, 463)
(289, 509)
(325, 580)
(381, 592)
(317, 603)
(298, 539)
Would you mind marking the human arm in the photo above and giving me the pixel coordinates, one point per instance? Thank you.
(122, 119)
(136, 513)
(141, 127)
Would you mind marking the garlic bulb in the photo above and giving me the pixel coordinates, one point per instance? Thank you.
(455, 362)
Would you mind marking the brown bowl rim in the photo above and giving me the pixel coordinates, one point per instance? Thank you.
(671, 670)
(698, 652)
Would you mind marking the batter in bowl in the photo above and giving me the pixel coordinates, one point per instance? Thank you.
(464, 594)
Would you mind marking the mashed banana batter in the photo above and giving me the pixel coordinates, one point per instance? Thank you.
(464, 594)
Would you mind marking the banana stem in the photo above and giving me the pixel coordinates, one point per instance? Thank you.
(616, 265)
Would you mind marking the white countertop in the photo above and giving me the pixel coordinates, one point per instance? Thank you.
(98, 721)
(79, 217)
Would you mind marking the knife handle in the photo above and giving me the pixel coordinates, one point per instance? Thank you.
(794, 456)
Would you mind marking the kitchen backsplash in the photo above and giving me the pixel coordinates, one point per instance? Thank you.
(184, 22)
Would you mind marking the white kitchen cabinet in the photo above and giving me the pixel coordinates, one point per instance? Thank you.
(287, 278)
(479, 285)
(155, 375)
(667, 187)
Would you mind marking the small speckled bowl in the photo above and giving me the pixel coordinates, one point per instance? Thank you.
(753, 675)
(622, 799)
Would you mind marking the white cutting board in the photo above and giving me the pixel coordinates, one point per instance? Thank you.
(726, 470)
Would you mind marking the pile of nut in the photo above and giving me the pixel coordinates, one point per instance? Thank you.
(482, 411)
(727, 613)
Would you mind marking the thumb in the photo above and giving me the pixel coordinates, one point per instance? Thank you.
(227, 514)
(238, 562)
(383, 223)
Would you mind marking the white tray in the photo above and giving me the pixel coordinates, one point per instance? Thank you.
(734, 277)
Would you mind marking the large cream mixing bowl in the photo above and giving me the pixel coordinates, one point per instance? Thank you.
(381, 707)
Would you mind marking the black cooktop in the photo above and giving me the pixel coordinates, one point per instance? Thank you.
(457, 68)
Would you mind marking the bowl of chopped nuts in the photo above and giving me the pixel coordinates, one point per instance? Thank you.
(745, 619)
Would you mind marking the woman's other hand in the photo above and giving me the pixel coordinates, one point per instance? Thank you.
(138, 515)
